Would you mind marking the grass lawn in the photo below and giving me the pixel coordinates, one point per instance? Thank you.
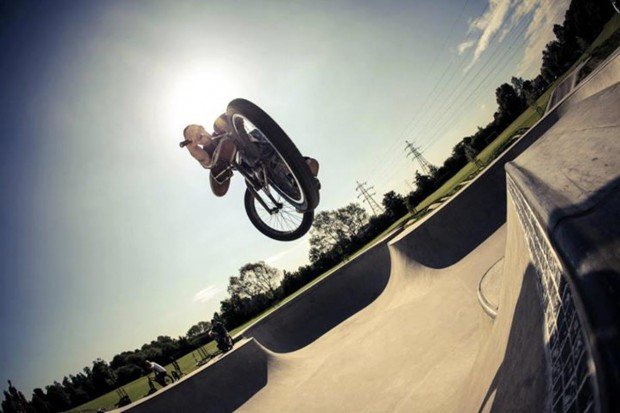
(139, 388)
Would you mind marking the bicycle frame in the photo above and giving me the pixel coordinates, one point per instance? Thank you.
(249, 164)
(247, 161)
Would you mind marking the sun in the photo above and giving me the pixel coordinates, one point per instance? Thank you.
(198, 96)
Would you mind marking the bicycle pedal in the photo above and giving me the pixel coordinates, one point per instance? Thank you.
(224, 175)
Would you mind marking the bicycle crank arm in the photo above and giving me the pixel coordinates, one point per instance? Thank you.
(262, 202)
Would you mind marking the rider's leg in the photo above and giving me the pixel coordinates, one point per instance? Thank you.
(220, 175)
(213, 155)
(160, 377)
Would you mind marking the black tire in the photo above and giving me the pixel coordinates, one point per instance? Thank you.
(250, 209)
(285, 147)
(165, 380)
(225, 345)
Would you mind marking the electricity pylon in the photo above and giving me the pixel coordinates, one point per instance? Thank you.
(426, 167)
(367, 194)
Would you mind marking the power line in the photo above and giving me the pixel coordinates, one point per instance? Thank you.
(499, 58)
(445, 71)
(440, 110)
(367, 194)
(503, 60)
(440, 87)
(393, 145)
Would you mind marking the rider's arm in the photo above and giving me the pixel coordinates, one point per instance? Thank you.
(198, 153)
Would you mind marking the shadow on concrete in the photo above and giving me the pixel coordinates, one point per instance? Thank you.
(587, 238)
(222, 387)
(327, 304)
(520, 381)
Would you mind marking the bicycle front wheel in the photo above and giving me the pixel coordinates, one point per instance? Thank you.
(288, 173)
(286, 224)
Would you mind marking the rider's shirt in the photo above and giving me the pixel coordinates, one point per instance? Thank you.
(156, 367)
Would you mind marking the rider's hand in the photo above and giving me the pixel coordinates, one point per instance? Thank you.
(197, 135)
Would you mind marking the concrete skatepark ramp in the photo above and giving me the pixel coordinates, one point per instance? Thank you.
(400, 328)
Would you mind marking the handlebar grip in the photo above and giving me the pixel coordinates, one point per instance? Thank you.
(184, 143)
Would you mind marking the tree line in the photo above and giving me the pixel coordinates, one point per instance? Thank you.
(102, 377)
(335, 235)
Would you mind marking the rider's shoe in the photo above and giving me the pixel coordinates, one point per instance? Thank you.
(221, 171)
(313, 165)
(219, 189)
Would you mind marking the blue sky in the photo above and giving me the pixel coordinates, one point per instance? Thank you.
(109, 233)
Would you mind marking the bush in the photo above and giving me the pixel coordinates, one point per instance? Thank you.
(128, 373)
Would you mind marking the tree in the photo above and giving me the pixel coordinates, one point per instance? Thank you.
(255, 279)
(472, 155)
(394, 205)
(333, 228)
(128, 373)
(58, 398)
(519, 86)
(424, 184)
(103, 377)
(75, 392)
(510, 104)
(531, 96)
(198, 329)
(39, 402)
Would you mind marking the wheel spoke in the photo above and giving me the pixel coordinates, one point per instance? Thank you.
(285, 220)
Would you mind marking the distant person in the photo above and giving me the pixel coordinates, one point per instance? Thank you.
(160, 372)
(218, 327)
(217, 155)
(220, 335)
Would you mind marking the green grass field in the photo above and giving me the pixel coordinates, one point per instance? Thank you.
(139, 388)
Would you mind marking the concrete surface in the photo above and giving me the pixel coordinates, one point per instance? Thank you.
(489, 288)
(565, 87)
(575, 199)
(400, 327)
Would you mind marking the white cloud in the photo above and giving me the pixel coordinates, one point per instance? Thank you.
(502, 16)
(465, 45)
(207, 294)
(540, 32)
(488, 24)
(521, 9)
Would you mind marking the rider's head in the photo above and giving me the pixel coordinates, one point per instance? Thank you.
(221, 124)
(193, 132)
